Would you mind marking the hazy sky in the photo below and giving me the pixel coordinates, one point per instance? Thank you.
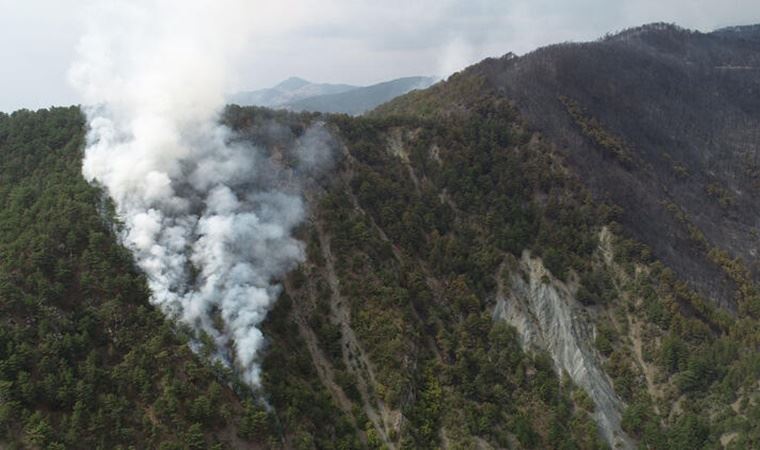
(349, 41)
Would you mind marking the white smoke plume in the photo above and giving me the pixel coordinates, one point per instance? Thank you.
(201, 210)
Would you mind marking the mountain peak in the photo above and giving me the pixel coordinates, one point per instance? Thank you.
(292, 84)
(648, 30)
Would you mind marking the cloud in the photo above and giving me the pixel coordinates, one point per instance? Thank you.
(354, 41)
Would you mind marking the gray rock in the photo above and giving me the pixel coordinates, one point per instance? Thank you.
(548, 318)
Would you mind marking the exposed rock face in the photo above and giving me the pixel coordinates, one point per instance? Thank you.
(548, 318)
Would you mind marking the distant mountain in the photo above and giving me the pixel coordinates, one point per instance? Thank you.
(360, 100)
(290, 90)
(298, 94)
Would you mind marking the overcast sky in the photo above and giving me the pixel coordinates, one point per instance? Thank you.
(349, 41)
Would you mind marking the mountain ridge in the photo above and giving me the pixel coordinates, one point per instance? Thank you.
(297, 94)
(291, 89)
(360, 100)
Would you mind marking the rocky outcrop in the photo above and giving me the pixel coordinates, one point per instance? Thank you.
(547, 317)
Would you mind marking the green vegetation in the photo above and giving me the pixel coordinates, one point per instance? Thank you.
(85, 361)
(452, 97)
(593, 129)
(700, 361)
(417, 242)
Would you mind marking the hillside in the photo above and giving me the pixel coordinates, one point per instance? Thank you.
(85, 360)
(552, 251)
(662, 122)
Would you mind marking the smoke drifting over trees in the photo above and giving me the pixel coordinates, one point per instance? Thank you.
(201, 211)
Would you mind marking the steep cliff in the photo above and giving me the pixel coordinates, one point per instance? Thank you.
(549, 318)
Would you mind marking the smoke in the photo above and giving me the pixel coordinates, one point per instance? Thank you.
(208, 218)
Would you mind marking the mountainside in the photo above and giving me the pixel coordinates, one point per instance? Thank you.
(360, 100)
(680, 112)
(291, 90)
(553, 251)
(85, 360)
(663, 123)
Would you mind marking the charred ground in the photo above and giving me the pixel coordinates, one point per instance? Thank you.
(685, 107)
